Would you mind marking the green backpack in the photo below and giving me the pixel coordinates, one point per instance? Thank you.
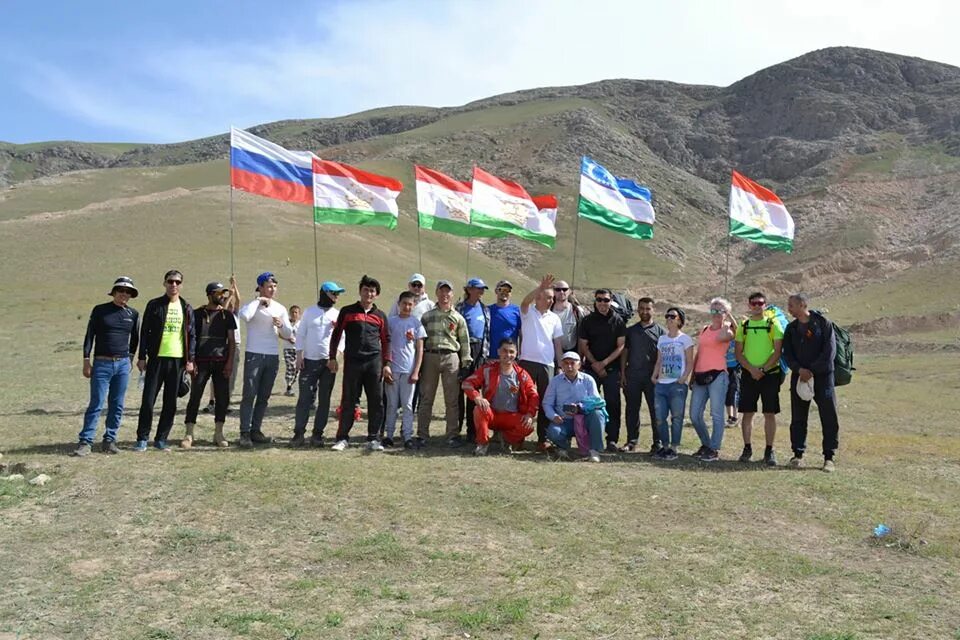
(842, 362)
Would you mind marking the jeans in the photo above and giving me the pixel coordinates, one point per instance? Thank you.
(259, 374)
(609, 387)
(670, 399)
(825, 395)
(716, 392)
(107, 382)
(560, 434)
(638, 388)
(316, 381)
(361, 375)
(400, 394)
(161, 372)
(212, 371)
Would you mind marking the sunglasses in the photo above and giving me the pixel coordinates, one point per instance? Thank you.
(671, 316)
(561, 289)
(418, 285)
(606, 300)
(172, 281)
(716, 312)
(757, 303)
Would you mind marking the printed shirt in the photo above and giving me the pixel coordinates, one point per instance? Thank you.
(316, 327)
(447, 330)
(404, 333)
(171, 340)
(213, 328)
(563, 390)
(504, 323)
(537, 331)
(758, 344)
(673, 356)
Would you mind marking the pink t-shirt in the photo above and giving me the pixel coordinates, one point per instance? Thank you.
(712, 353)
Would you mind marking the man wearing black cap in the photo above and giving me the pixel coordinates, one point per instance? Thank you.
(167, 348)
(215, 328)
(112, 336)
(477, 316)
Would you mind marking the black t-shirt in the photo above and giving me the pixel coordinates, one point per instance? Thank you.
(642, 348)
(112, 331)
(213, 329)
(601, 333)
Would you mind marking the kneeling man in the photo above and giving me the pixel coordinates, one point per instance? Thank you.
(505, 397)
(564, 399)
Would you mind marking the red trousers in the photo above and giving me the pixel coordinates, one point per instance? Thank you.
(511, 424)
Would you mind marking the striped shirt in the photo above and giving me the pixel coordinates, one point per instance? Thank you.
(447, 331)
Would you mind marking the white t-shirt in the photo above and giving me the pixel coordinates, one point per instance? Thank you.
(316, 327)
(673, 356)
(423, 305)
(537, 331)
(261, 334)
(286, 344)
(404, 333)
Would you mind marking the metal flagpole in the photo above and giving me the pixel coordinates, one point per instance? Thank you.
(576, 238)
(232, 272)
(466, 273)
(419, 244)
(726, 272)
(316, 255)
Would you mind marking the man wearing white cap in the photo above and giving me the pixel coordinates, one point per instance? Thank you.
(564, 400)
(417, 285)
(113, 335)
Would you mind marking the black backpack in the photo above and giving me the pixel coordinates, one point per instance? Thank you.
(622, 305)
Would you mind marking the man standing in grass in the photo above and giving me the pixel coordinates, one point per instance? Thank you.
(112, 337)
(167, 346)
(636, 371)
(265, 318)
(571, 314)
(406, 342)
(602, 338)
(477, 316)
(541, 334)
(422, 303)
(504, 319)
(759, 342)
(564, 400)
(809, 347)
(366, 362)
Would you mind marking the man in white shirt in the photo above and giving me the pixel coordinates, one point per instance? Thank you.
(540, 343)
(313, 353)
(265, 319)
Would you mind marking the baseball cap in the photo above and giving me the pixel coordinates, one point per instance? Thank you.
(417, 277)
(504, 283)
(331, 287)
(571, 355)
(477, 283)
(216, 286)
(124, 282)
(444, 283)
(263, 278)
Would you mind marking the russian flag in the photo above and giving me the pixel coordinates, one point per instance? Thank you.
(267, 169)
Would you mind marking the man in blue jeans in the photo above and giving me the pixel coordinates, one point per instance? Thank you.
(113, 335)
(562, 401)
(671, 375)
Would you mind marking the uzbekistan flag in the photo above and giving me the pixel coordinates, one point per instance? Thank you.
(618, 204)
(758, 215)
(267, 169)
(347, 195)
(504, 207)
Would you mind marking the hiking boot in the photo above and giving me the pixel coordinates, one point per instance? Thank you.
(455, 442)
(218, 438)
(340, 445)
(297, 441)
(259, 437)
(770, 458)
(711, 455)
(612, 447)
(109, 446)
(702, 450)
(187, 441)
(796, 462)
(83, 449)
(828, 466)
(316, 440)
(481, 450)
(245, 441)
(670, 454)
(594, 456)
(387, 443)
(747, 454)
(141, 446)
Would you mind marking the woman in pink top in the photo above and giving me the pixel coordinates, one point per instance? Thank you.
(710, 379)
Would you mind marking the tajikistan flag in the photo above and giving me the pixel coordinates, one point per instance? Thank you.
(443, 204)
(503, 207)
(346, 195)
(757, 214)
(618, 204)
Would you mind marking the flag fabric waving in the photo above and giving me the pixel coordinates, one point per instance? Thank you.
(443, 204)
(758, 215)
(505, 207)
(618, 204)
(264, 168)
(347, 195)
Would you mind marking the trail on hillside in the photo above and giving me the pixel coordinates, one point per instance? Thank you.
(111, 204)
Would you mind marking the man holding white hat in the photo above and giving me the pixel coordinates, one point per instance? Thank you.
(564, 400)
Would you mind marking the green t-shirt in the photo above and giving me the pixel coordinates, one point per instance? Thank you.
(758, 347)
(171, 342)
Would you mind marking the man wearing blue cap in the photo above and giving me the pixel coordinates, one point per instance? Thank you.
(313, 353)
(477, 316)
(265, 318)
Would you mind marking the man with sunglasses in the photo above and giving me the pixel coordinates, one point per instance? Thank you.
(112, 336)
(601, 340)
(758, 344)
(571, 314)
(417, 285)
(167, 348)
(504, 320)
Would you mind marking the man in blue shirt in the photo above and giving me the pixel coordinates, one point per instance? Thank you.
(564, 399)
(477, 316)
(504, 319)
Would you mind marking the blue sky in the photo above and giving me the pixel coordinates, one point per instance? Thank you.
(177, 70)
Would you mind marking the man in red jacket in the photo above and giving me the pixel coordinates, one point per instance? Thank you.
(505, 396)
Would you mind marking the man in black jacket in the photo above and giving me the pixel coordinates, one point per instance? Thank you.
(167, 348)
(809, 347)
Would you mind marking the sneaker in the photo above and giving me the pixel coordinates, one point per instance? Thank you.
(702, 450)
(141, 446)
(670, 454)
(245, 442)
(612, 447)
(629, 448)
(210, 407)
(289, 392)
(711, 455)
(770, 458)
(562, 454)
(731, 421)
(161, 445)
(655, 448)
(340, 445)
(828, 466)
(419, 443)
(747, 454)
(594, 456)
(109, 446)
(83, 449)
(387, 443)
(374, 445)
(316, 441)
(297, 441)
(409, 444)
(259, 437)
(481, 450)
(455, 442)
(796, 462)
(660, 454)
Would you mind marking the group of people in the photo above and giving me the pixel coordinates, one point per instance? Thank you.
(547, 365)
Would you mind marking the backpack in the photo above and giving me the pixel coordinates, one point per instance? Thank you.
(622, 305)
(772, 314)
(843, 361)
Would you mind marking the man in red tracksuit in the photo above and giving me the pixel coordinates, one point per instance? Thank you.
(506, 399)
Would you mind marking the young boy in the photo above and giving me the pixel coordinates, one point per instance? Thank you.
(406, 346)
(290, 351)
